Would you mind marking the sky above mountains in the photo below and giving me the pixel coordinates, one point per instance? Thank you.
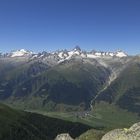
(38, 25)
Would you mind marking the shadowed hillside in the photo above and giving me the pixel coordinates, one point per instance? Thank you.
(15, 125)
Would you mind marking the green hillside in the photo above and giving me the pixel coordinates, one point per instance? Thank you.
(15, 125)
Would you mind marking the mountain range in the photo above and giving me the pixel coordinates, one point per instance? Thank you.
(62, 55)
(70, 80)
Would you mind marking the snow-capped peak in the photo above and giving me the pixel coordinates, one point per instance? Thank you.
(20, 53)
(121, 54)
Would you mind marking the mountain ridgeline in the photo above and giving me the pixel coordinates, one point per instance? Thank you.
(70, 80)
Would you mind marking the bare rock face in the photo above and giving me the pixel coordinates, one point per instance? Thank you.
(133, 133)
(64, 136)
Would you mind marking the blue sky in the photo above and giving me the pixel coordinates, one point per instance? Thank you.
(38, 25)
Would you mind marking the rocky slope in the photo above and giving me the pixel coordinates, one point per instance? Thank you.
(133, 133)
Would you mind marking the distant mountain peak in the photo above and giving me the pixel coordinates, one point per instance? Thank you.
(20, 53)
(120, 53)
(77, 48)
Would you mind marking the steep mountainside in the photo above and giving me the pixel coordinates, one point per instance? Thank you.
(125, 90)
(72, 83)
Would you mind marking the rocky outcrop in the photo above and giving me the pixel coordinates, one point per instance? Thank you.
(64, 136)
(133, 133)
